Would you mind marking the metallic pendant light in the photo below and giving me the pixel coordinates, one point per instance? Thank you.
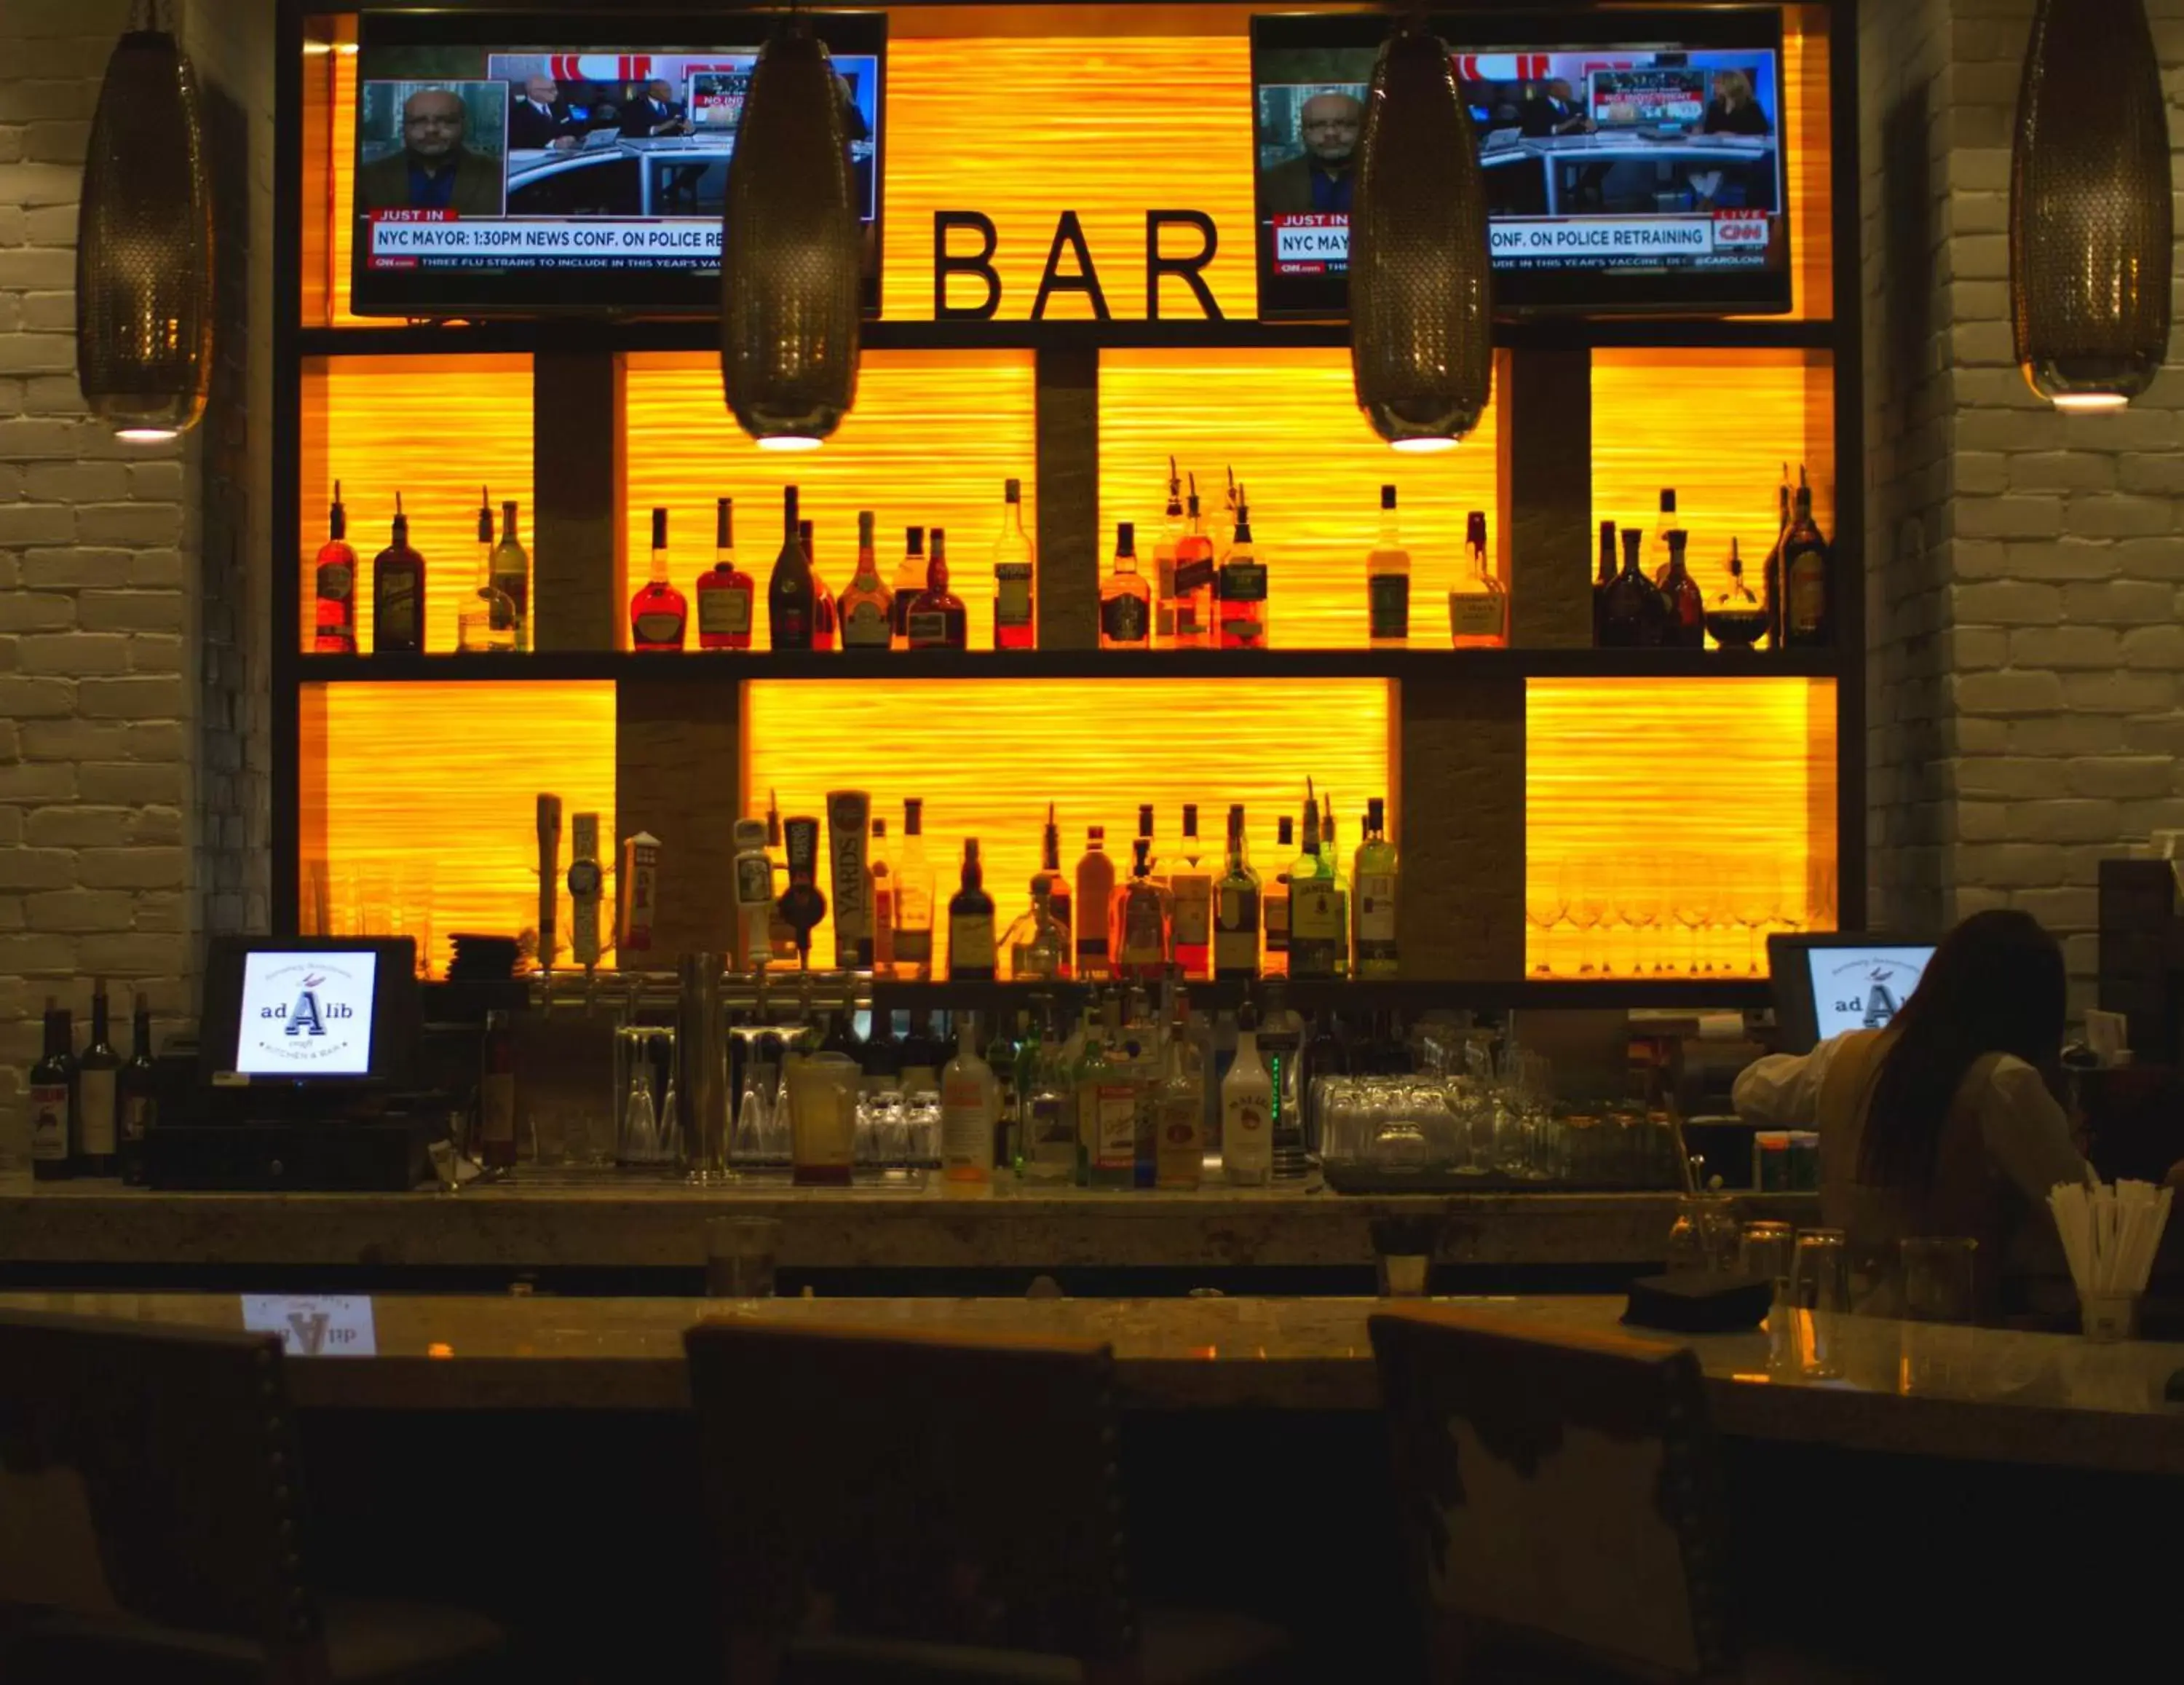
(791, 251)
(1421, 308)
(2090, 239)
(143, 243)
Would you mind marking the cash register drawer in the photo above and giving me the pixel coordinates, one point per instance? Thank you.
(377, 1158)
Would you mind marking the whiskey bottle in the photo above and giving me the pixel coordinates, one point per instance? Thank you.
(1479, 612)
(1194, 580)
(53, 1101)
(1125, 601)
(879, 896)
(334, 586)
(971, 923)
(1095, 892)
(908, 581)
(1190, 886)
(1241, 588)
(511, 581)
(1635, 614)
(1171, 537)
(1236, 911)
(658, 614)
(97, 1098)
(1603, 582)
(1808, 579)
(936, 619)
(1013, 625)
(725, 591)
(825, 626)
(913, 898)
(1058, 888)
(489, 625)
(138, 1093)
(791, 594)
(1142, 920)
(398, 593)
(1274, 903)
(1388, 582)
(1316, 919)
(1686, 624)
(1373, 875)
(868, 607)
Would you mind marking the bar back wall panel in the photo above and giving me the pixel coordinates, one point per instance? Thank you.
(989, 754)
(934, 436)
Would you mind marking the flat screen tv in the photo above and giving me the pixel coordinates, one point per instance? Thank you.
(1633, 159)
(518, 165)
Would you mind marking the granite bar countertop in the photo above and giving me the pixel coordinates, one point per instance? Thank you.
(549, 1219)
(1984, 1394)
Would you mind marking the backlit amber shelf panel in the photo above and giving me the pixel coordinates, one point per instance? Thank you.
(987, 756)
(436, 429)
(1811, 188)
(419, 803)
(1717, 427)
(1671, 824)
(1288, 422)
(933, 439)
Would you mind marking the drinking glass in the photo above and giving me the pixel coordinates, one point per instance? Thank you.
(1938, 1277)
(1768, 1249)
(822, 1114)
(1693, 906)
(1751, 904)
(1819, 1299)
(1704, 1236)
(1638, 905)
(1588, 906)
(1546, 901)
(739, 1257)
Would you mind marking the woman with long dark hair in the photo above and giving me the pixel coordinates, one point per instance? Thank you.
(1946, 1122)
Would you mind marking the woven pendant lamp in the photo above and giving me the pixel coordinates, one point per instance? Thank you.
(791, 251)
(2089, 237)
(143, 245)
(1421, 308)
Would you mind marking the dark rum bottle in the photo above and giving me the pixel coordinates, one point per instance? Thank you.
(1680, 592)
(398, 593)
(791, 596)
(1636, 616)
(335, 585)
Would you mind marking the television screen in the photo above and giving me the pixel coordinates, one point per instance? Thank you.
(516, 165)
(1633, 160)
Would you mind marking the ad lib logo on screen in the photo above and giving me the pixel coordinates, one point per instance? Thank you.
(309, 1015)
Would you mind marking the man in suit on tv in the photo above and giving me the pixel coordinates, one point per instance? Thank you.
(654, 116)
(434, 170)
(1322, 176)
(538, 118)
(1555, 113)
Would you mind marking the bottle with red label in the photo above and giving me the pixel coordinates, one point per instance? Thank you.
(725, 591)
(658, 614)
(335, 585)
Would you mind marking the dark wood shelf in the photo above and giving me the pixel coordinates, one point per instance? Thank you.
(730, 667)
(701, 334)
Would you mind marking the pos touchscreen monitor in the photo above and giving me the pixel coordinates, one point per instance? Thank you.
(309, 1011)
(1836, 981)
(517, 164)
(1632, 159)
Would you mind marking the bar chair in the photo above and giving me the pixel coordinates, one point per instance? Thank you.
(893, 1508)
(151, 1523)
(1564, 1507)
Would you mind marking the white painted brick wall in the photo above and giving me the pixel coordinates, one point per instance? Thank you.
(2042, 555)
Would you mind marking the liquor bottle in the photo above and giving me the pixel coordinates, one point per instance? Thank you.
(1000, 1057)
(1191, 886)
(792, 598)
(825, 623)
(1603, 583)
(1143, 918)
(1274, 901)
(1194, 580)
(1323, 1055)
(53, 1101)
(1125, 599)
(725, 591)
(802, 903)
(1808, 579)
(868, 607)
(1684, 627)
(658, 614)
(1316, 922)
(489, 625)
(908, 581)
(1772, 598)
(1388, 582)
(1013, 625)
(1373, 875)
(1171, 537)
(1145, 836)
(780, 939)
(511, 579)
(1635, 614)
(1179, 1109)
(913, 898)
(1281, 1048)
(1146, 1059)
(879, 896)
(1095, 892)
(1057, 890)
(1331, 860)
(1241, 587)
(970, 1098)
(936, 619)
(879, 1063)
(334, 584)
(1247, 1109)
(921, 1055)
(1042, 954)
(971, 923)
(1236, 911)
(398, 593)
(96, 1097)
(842, 1036)
(138, 1092)
(1107, 1105)
(1479, 612)
(1657, 541)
